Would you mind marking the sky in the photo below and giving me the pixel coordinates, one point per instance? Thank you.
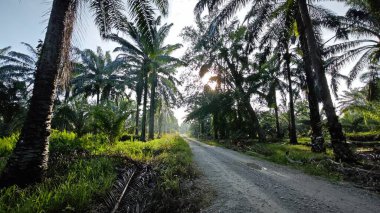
(26, 21)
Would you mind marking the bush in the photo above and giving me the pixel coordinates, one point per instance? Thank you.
(364, 136)
(7, 144)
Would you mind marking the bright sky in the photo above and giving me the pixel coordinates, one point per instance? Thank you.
(26, 20)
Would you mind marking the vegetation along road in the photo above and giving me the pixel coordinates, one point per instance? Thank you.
(246, 184)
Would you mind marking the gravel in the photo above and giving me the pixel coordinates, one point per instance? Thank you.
(246, 184)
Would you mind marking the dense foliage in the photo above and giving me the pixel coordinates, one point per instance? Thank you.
(271, 77)
(265, 61)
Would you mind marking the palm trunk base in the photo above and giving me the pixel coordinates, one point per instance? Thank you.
(317, 144)
(340, 147)
(24, 167)
(343, 152)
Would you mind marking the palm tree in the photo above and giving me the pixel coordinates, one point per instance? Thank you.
(166, 93)
(151, 56)
(372, 6)
(72, 116)
(372, 78)
(225, 54)
(99, 75)
(162, 64)
(111, 119)
(271, 82)
(355, 101)
(135, 53)
(17, 66)
(163, 85)
(365, 27)
(305, 24)
(29, 159)
(17, 76)
(338, 140)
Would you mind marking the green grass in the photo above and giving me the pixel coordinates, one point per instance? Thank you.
(171, 155)
(85, 181)
(364, 136)
(309, 162)
(304, 160)
(75, 182)
(7, 144)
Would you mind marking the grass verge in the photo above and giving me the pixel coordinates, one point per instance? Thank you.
(296, 156)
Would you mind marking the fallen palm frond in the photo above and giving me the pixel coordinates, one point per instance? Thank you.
(132, 191)
(121, 185)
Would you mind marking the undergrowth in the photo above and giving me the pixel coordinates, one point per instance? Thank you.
(83, 169)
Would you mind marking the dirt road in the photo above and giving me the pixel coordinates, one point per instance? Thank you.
(246, 184)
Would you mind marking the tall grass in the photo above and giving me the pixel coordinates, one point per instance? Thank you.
(74, 191)
(82, 170)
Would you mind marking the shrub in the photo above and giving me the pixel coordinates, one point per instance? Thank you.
(7, 144)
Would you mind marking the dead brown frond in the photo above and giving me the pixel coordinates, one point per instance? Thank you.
(133, 190)
(66, 64)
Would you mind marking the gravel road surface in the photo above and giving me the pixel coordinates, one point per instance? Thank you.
(246, 184)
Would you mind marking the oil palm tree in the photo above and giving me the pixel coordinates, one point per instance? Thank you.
(72, 116)
(111, 119)
(163, 86)
(338, 140)
(372, 79)
(152, 56)
(134, 52)
(308, 31)
(372, 6)
(282, 17)
(226, 54)
(162, 65)
(366, 47)
(17, 75)
(17, 66)
(99, 75)
(29, 160)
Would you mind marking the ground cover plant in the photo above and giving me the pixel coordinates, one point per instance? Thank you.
(84, 169)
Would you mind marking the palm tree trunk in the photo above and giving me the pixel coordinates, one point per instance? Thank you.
(160, 121)
(152, 106)
(98, 97)
(246, 100)
(67, 94)
(278, 130)
(255, 119)
(138, 100)
(338, 140)
(372, 89)
(29, 160)
(137, 119)
(215, 125)
(143, 122)
(317, 140)
(292, 126)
